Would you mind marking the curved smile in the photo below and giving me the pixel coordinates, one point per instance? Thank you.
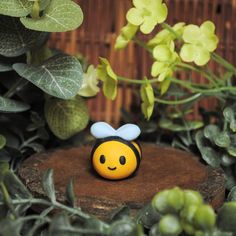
(111, 168)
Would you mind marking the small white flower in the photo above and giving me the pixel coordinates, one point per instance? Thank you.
(89, 87)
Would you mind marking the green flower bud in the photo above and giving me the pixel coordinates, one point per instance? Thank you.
(188, 213)
(204, 217)
(192, 198)
(187, 227)
(175, 199)
(170, 225)
(159, 202)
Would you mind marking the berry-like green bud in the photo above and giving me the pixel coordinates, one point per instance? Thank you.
(170, 225)
(204, 217)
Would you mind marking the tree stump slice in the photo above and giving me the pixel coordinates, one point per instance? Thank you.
(161, 167)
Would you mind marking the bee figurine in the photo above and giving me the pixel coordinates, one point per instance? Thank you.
(115, 155)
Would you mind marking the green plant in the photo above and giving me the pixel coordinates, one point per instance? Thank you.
(33, 75)
(171, 212)
(216, 142)
(173, 49)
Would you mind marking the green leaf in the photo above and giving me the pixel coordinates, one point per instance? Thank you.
(227, 217)
(70, 195)
(232, 195)
(227, 160)
(2, 141)
(148, 216)
(16, 39)
(5, 67)
(59, 16)
(60, 76)
(9, 105)
(228, 114)
(211, 131)
(222, 140)
(232, 151)
(48, 185)
(16, 8)
(210, 156)
(66, 118)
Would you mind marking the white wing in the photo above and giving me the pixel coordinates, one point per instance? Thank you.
(102, 130)
(128, 132)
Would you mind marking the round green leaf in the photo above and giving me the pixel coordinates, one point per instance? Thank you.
(9, 105)
(222, 140)
(211, 131)
(65, 118)
(228, 114)
(210, 156)
(16, 8)
(191, 33)
(227, 217)
(60, 76)
(59, 16)
(16, 39)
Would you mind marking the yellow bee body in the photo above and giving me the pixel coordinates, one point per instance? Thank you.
(114, 157)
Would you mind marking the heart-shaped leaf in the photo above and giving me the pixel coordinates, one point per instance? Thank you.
(60, 76)
(5, 67)
(17, 8)
(59, 16)
(16, 39)
(9, 105)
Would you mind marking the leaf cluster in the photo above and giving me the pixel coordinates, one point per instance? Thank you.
(216, 143)
(171, 212)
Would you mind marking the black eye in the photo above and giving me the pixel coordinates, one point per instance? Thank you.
(122, 160)
(102, 159)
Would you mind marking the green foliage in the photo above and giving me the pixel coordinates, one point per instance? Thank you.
(216, 142)
(10, 105)
(31, 73)
(59, 16)
(59, 76)
(66, 117)
(16, 39)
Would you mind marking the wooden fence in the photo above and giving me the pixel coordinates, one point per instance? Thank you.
(103, 20)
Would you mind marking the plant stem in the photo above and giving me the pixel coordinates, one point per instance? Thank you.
(16, 87)
(183, 101)
(205, 74)
(7, 199)
(136, 81)
(141, 44)
(216, 57)
(169, 28)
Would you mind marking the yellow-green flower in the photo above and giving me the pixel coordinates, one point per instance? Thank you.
(89, 87)
(148, 99)
(199, 43)
(166, 59)
(165, 36)
(127, 33)
(147, 14)
(109, 78)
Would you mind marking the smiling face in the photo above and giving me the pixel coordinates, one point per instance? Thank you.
(115, 159)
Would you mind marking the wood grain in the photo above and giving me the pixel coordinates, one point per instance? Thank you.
(161, 168)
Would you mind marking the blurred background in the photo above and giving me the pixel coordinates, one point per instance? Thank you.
(103, 20)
